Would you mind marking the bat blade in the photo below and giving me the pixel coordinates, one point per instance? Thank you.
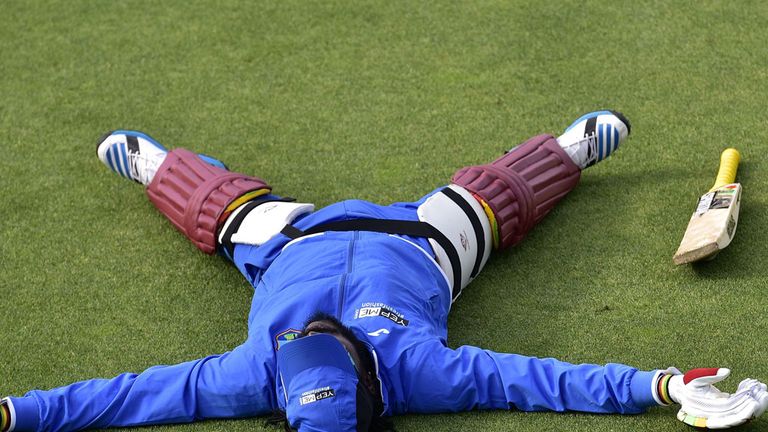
(712, 226)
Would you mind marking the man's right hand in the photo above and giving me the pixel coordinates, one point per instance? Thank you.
(703, 405)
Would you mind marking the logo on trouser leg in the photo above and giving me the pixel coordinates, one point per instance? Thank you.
(316, 395)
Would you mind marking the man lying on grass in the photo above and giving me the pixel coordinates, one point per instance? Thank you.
(348, 323)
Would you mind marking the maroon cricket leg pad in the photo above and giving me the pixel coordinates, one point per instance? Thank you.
(193, 194)
(522, 186)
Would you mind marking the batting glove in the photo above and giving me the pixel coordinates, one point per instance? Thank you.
(703, 405)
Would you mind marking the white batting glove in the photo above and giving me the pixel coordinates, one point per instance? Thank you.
(703, 405)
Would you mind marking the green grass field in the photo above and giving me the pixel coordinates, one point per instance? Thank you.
(382, 101)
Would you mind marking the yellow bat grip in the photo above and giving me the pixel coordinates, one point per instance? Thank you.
(729, 163)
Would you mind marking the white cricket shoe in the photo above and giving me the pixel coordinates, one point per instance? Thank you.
(131, 154)
(594, 136)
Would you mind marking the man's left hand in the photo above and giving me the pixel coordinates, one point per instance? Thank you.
(703, 405)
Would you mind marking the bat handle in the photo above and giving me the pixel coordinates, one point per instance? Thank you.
(729, 163)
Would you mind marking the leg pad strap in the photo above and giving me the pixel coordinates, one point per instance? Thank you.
(522, 186)
(193, 195)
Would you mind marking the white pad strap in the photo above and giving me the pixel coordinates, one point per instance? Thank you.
(264, 221)
(445, 214)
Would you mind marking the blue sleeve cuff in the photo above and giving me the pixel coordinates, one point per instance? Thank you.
(27, 413)
(641, 388)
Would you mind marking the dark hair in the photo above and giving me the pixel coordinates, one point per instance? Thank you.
(360, 347)
(378, 423)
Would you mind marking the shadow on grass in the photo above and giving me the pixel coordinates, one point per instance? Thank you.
(743, 257)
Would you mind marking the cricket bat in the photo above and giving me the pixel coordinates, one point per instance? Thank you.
(713, 224)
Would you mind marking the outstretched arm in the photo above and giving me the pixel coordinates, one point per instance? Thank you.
(472, 378)
(234, 384)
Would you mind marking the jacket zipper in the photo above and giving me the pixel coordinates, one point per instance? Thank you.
(343, 282)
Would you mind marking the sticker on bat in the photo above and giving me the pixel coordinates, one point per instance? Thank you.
(704, 202)
(722, 199)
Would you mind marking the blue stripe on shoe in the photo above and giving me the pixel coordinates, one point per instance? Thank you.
(587, 116)
(608, 140)
(119, 160)
(109, 160)
(116, 160)
(615, 138)
(124, 156)
(600, 137)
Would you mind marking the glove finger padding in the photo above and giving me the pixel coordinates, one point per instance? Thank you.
(703, 405)
(745, 412)
(762, 401)
(751, 385)
(738, 410)
(757, 391)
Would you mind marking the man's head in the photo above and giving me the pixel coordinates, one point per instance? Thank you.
(329, 378)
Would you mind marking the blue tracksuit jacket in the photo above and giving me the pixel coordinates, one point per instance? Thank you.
(393, 296)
